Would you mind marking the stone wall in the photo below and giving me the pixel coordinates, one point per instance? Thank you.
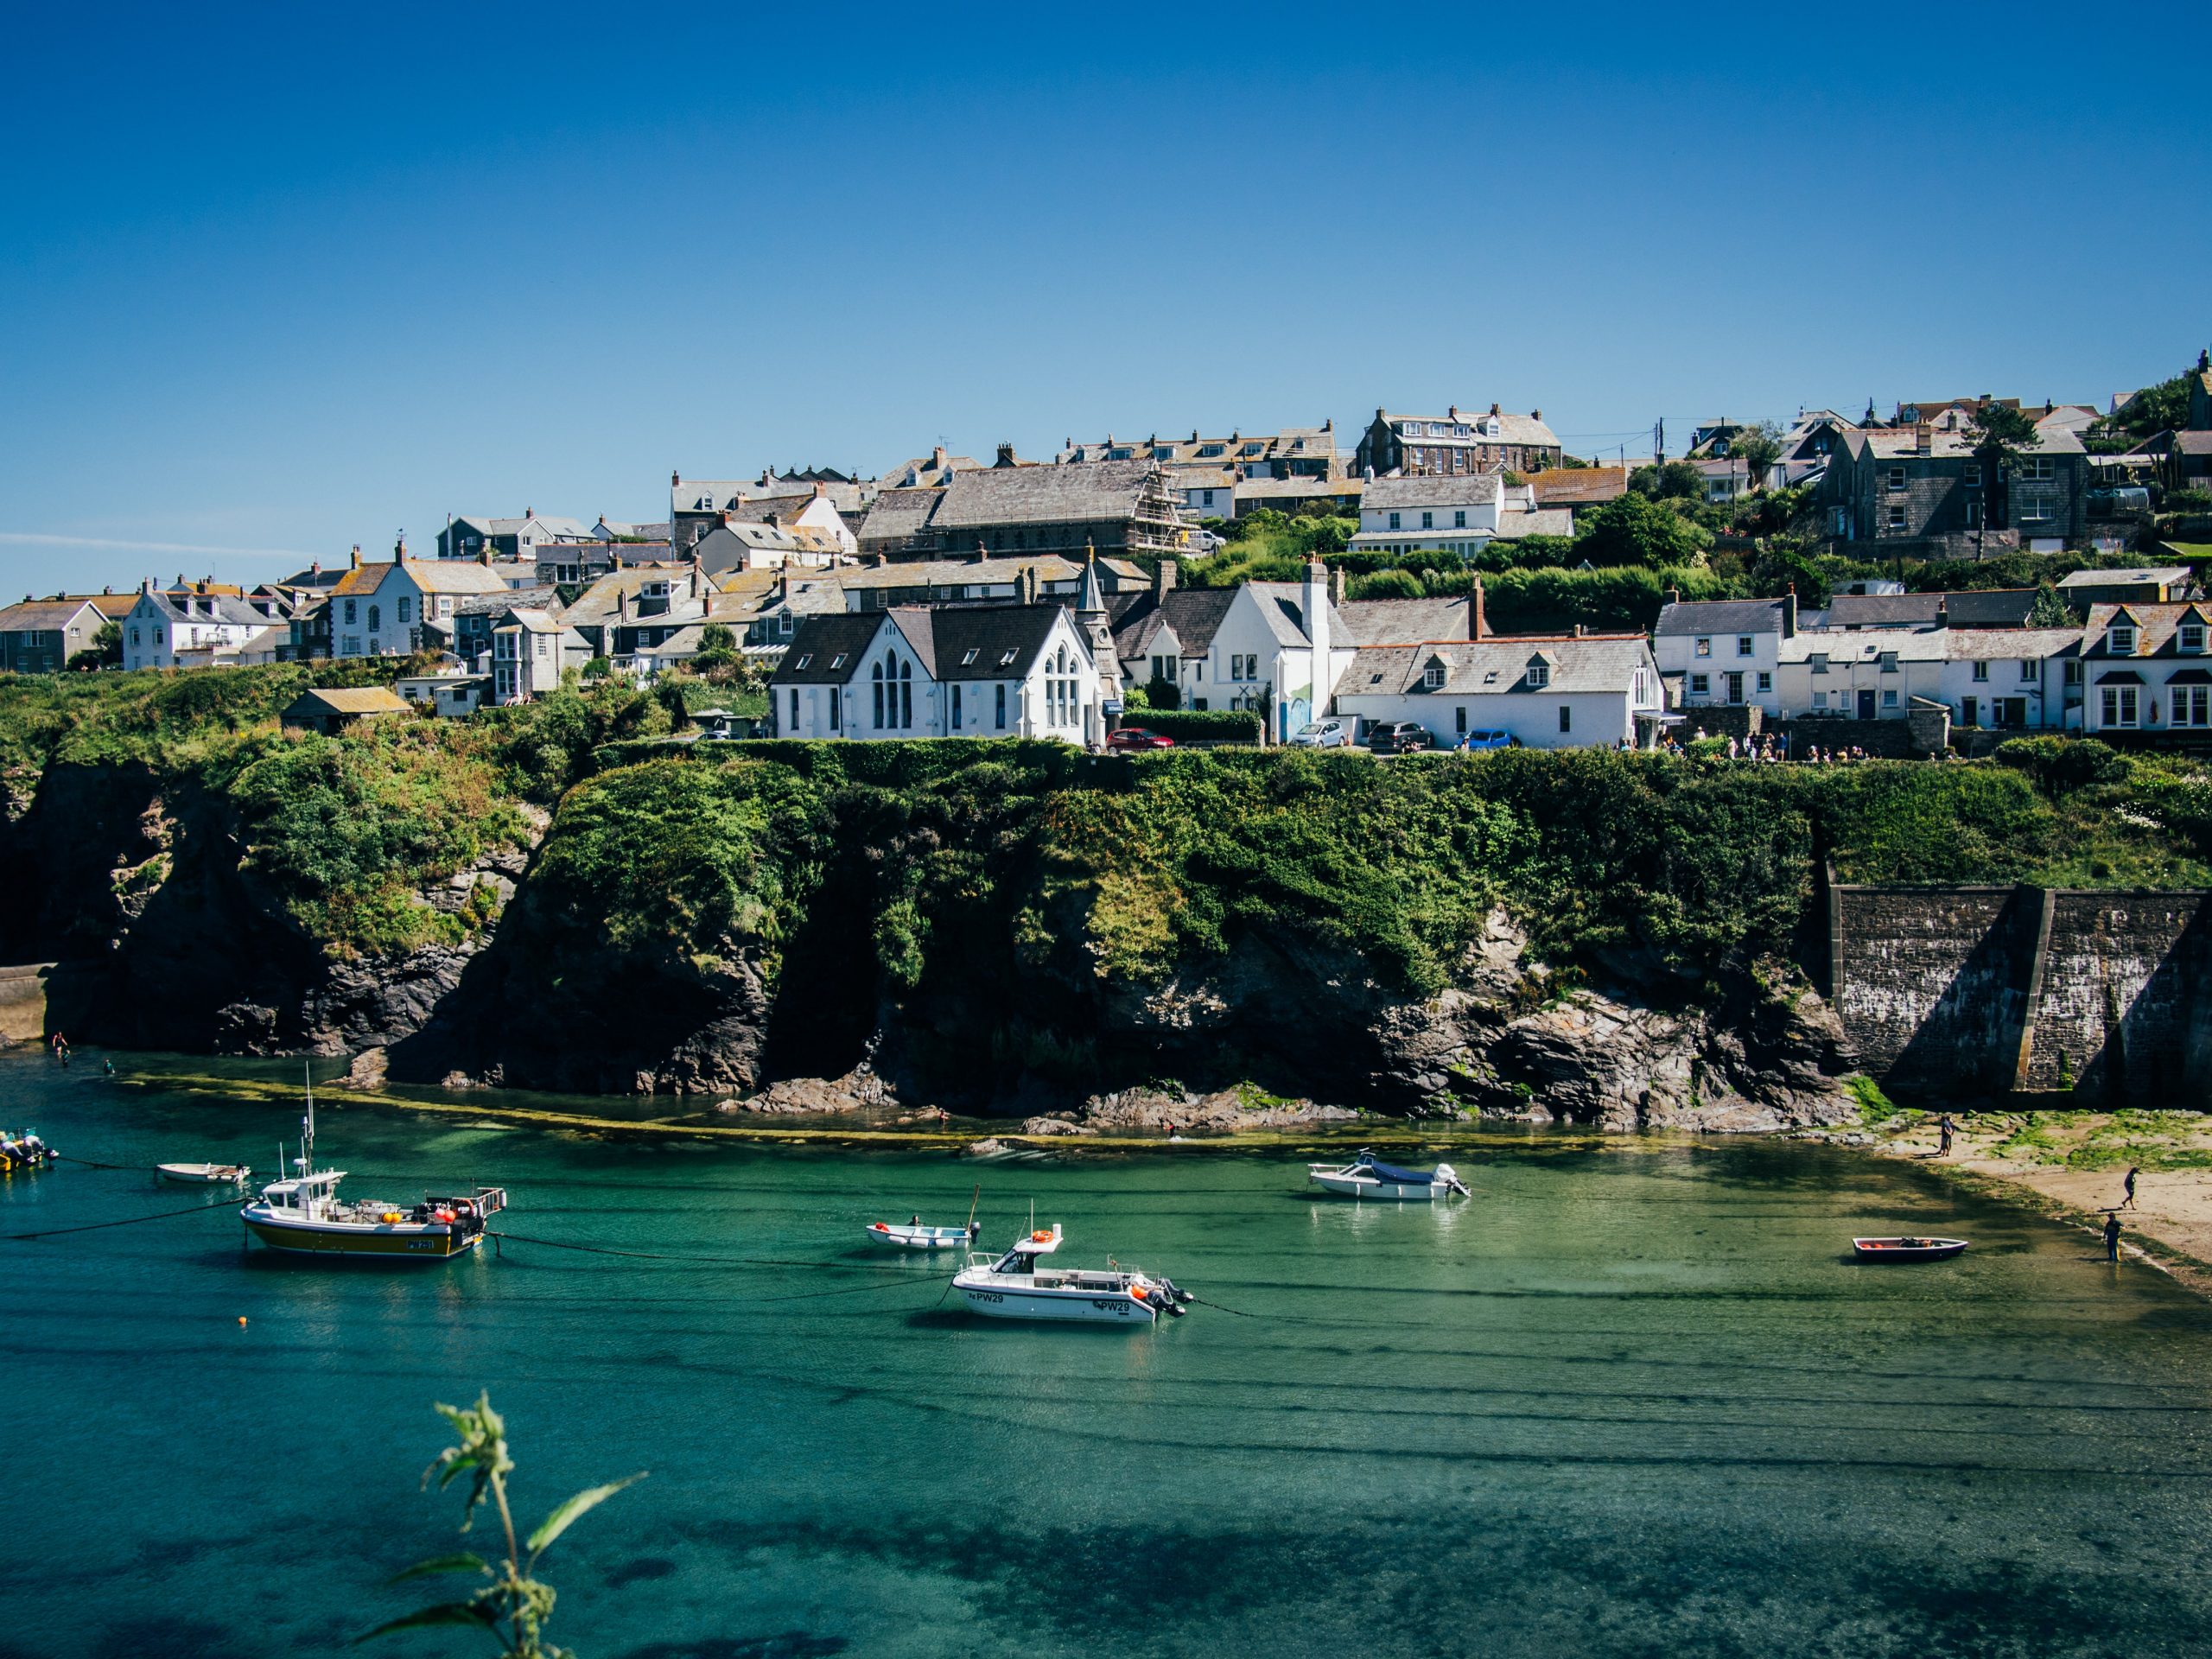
(1981, 992)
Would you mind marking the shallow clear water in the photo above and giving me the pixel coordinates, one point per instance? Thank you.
(1630, 1399)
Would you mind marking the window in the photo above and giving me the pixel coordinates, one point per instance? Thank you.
(837, 706)
(876, 685)
(2073, 671)
(2119, 639)
(2027, 670)
(1896, 478)
(134, 635)
(1896, 518)
(783, 624)
(1460, 519)
(2191, 636)
(1704, 647)
(2192, 704)
(1981, 671)
(1394, 521)
(1820, 662)
(1819, 699)
(1888, 660)
(1743, 645)
(1540, 675)
(2118, 704)
(838, 661)
(1566, 718)
(1459, 718)
(805, 659)
(1972, 476)
(1428, 521)
(956, 706)
(2034, 469)
(794, 708)
(1766, 681)
(350, 615)
(1431, 678)
(1889, 699)
(376, 618)
(1208, 496)
(400, 614)
(2036, 510)
(1002, 708)
(1700, 685)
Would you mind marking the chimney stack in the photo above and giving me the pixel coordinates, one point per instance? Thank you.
(1924, 438)
(484, 554)
(1336, 584)
(936, 456)
(674, 478)
(1478, 623)
(357, 556)
(1789, 612)
(622, 605)
(1164, 578)
(1006, 455)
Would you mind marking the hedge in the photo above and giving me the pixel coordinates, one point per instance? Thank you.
(1201, 725)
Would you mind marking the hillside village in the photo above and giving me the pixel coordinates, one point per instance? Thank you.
(1923, 582)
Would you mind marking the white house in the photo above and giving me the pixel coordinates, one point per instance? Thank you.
(2026, 679)
(1459, 514)
(383, 610)
(1550, 691)
(1724, 651)
(529, 650)
(1279, 646)
(2147, 668)
(988, 671)
(159, 626)
(1872, 675)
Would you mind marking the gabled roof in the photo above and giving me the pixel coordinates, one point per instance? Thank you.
(979, 642)
(1194, 614)
(2170, 575)
(1512, 428)
(2155, 627)
(46, 615)
(1584, 663)
(1404, 621)
(1990, 644)
(996, 571)
(351, 700)
(1577, 486)
(1460, 490)
(1704, 616)
(1027, 495)
(898, 514)
(1282, 606)
(829, 638)
(452, 575)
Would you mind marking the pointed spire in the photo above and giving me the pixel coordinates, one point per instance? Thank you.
(1091, 596)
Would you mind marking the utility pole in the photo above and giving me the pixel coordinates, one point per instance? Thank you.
(1659, 441)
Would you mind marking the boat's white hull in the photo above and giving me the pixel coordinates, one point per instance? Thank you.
(1345, 1186)
(203, 1174)
(1093, 1307)
(919, 1239)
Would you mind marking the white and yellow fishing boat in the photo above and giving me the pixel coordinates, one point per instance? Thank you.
(302, 1214)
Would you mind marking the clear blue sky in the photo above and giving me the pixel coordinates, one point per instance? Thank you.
(275, 281)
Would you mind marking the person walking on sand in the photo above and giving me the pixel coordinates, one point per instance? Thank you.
(2128, 1202)
(1944, 1129)
(2112, 1236)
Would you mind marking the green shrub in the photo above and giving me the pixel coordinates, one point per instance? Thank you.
(1205, 725)
(2060, 766)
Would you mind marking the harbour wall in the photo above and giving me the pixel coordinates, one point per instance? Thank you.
(2104, 997)
(22, 1002)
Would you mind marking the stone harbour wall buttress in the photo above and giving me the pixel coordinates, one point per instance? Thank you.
(1984, 992)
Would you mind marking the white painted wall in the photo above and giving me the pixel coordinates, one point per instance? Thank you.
(1595, 719)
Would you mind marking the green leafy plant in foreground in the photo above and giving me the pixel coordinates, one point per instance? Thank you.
(513, 1605)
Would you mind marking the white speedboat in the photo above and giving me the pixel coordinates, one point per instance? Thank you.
(1367, 1177)
(304, 1215)
(912, 1236)
(1014, 1288)
(203, 1175)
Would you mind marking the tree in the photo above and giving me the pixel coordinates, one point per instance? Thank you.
(513, 1605)
(1634, 529)
(1162, 694)
(1678, 481)
(1758, 446)
(2001, 433)
(104, 651)
(716, 636)
(2050, 610)
(669, 692)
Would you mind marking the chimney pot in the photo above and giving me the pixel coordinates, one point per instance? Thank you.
(1495, 410)
(1165, 578)
(674, 478)
(357, 556)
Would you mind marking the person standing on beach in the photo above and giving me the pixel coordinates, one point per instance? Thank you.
(2128, 1202)
(1945, 1129)
(2112, 1236)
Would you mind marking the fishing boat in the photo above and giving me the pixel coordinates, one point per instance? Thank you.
(1907, 1248)
(203, 1175)
(912, 1236)
(22, 1149)
(1368, 1177)
(1013, 1288)
(302, 1214)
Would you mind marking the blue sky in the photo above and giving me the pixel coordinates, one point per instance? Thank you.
(273, 283)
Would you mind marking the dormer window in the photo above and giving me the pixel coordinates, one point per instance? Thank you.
(2190, 636)
(2119, 639)
(1431, 678)
(1540, 675)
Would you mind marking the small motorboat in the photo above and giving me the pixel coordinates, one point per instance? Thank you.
(1367, 1177)
(1012, 1287)
(203, 1175)
(912, 1236)
(1907, 1248)
(22, 1149)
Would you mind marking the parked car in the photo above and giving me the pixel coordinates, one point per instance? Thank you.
(1397, 736)
(1134, 738)
(1484, 741)
(1333, 732)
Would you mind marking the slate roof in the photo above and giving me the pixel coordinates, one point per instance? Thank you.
(1588, 663)
(229, 610)
(992, 572)
(2170, 574)
(1704, 616)
(1543, 521)
(2155, 626)
(1039, 495)
(821, 641)
(1464, 489)
(899, 514)
(1194, 614)
(1884, 610)
(1283, 604)
(1993, 645)
(1989, 607)
(1405, 621)
(43, 615)
(1512, 428)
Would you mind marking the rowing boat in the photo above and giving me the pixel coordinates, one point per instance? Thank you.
(1907, 1248)
(203, 1175)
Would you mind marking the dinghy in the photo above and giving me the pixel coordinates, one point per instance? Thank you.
(912, 1236)
(1366, 1177)
(203, 1175)
(1907, 1248)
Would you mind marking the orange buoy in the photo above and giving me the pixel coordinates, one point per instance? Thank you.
(241, 1318)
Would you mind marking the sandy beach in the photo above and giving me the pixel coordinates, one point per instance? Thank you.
(2074, 1165)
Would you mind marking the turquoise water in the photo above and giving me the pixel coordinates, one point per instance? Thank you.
(1631, 1399)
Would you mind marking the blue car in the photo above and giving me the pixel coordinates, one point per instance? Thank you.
(1486, 741)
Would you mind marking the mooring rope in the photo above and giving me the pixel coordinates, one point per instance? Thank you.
(127, 1221)
(713, 1260)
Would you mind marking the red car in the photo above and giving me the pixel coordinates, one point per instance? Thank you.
(1130, 739)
